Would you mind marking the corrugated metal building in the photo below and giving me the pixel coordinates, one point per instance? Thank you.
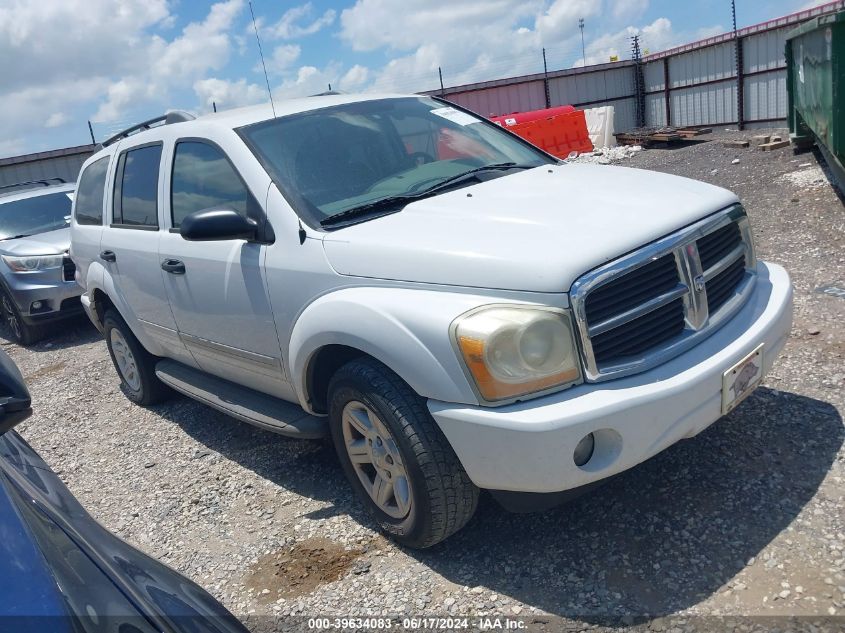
(57, 163)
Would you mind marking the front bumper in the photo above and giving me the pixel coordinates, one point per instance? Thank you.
(59, 297)
(528, 446)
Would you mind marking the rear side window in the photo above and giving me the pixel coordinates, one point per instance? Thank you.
(136, 187)
(203, 178)
(90, 192)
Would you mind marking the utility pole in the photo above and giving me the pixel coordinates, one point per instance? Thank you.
(639, 82)
(546, 81)
(583, 49)
(740, 81)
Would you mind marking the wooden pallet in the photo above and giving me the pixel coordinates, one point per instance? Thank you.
(646, 137)
(687, 132)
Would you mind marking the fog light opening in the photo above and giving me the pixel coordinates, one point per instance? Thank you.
(584, 450)
(36, 305)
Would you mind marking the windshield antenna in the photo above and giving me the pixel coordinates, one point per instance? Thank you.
(263, 65)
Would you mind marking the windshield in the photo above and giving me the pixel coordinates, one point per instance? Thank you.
(346, 157)
(37, 214)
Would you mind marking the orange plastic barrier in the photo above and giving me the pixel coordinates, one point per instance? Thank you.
(515, 118)
(559, 135)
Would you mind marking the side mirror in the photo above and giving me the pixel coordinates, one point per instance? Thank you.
(217, 224)
(15, 403)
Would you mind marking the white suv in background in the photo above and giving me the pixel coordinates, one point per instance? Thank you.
(457, 309)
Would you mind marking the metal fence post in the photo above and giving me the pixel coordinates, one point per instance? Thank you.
(740, 85)
(667, 92)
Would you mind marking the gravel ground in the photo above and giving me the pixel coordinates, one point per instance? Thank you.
(745, 519)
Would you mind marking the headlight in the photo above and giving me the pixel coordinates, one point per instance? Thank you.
(513, 351)
(32, 263)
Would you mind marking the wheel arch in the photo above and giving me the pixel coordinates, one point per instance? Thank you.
(407, 335)
(100, 302)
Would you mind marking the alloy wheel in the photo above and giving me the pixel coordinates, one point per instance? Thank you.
(125, 360)
(11, 318)
(376, 459)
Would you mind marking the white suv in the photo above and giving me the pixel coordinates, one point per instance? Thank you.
(455, 308)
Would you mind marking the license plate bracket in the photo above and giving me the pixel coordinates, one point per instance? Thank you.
(741, 379)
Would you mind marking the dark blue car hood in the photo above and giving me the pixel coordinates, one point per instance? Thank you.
(62, 571)
(27, 587)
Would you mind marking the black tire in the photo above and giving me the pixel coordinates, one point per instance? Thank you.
(18, 331)
(443, 497)
(148, 389)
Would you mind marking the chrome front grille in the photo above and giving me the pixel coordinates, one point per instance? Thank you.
(654, 303)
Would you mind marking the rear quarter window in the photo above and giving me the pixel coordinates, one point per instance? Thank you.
(90, 192)
(136, 187)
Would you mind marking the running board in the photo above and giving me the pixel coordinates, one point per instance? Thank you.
(240, 402)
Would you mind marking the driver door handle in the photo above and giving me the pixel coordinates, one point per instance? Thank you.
(108, 256)
(173, 266)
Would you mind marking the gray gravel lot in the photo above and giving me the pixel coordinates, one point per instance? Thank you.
(745, 519)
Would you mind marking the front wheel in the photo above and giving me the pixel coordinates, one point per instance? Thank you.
(134, 364)
(395, 456)
(20, 332)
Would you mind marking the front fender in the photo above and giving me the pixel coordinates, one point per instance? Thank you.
(407, 330)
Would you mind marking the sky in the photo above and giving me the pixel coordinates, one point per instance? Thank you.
(118, 62)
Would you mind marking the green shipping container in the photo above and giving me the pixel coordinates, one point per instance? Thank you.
(815, 80)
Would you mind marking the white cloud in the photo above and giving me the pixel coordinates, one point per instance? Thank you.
(282, 58)
(56, 119)
(295, 23)
(228, 94)
(308, 80)
(304, 81)
(560, 20)
(30, 110)
(373, 24)
(355, 77)
(57, 41)
(201, 47)
(628, 9)
(467, 39)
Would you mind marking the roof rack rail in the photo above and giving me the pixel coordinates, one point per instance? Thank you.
(172, 116)
(44, 181)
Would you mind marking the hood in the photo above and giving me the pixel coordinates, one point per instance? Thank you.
(53, 554)
(29, 589)
(536, 230)
(49, 243)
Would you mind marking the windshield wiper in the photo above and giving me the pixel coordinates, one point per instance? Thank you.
(394, 203)
(389, 203)
(467, 175)
(14, 237)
